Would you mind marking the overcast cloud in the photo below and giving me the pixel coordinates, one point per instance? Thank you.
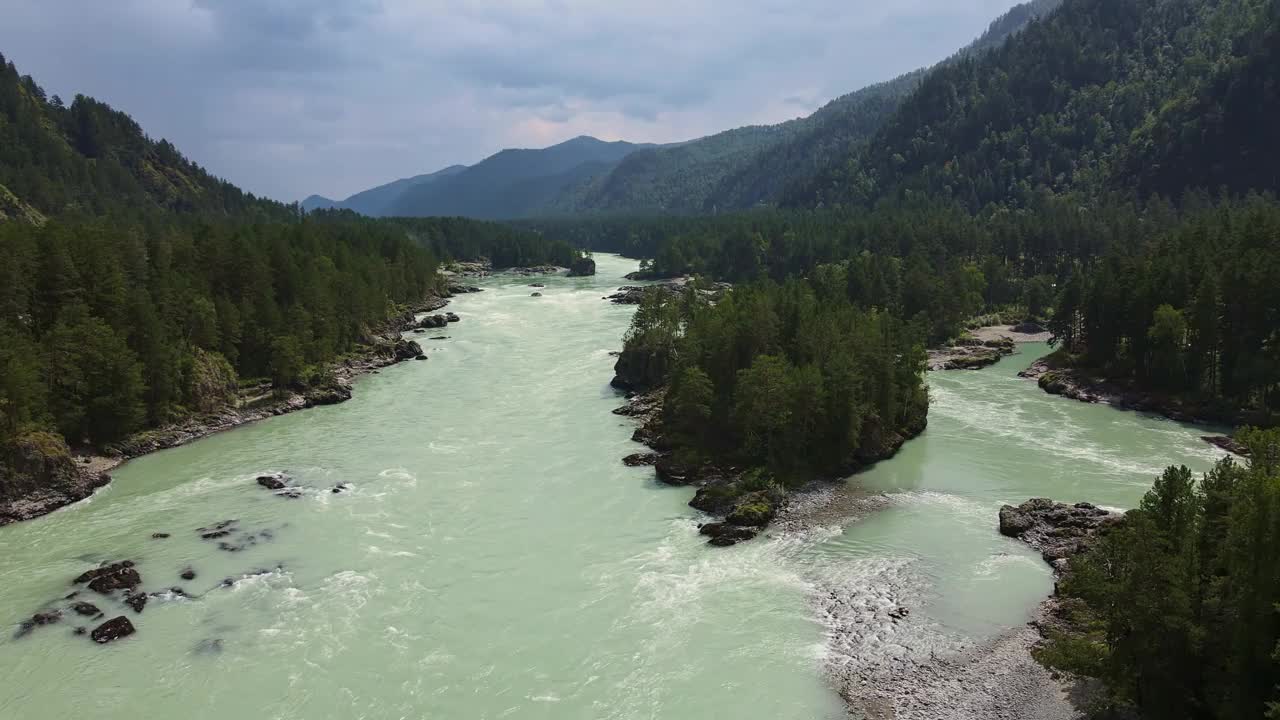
(290, 97)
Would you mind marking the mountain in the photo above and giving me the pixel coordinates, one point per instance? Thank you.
(88, 158)
(749, 166)
(733, 169)
(375, 202)
(514, 183)
(1129, 96)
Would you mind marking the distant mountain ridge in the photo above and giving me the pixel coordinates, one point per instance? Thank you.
(376, 201)
(735, 169)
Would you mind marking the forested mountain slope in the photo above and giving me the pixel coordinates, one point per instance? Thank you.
(1135, 96)
(88, 158)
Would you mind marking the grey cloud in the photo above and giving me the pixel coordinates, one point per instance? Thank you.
(289, 97)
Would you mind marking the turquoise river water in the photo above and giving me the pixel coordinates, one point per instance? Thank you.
(494, 559)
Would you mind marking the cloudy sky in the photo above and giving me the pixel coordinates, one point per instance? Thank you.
(290, 97)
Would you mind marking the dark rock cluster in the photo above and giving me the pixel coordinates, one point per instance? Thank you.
(1059, 531)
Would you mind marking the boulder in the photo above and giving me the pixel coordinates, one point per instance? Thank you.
(433, 321)
(86, 609)
(117, 576)
(330, 394)
(137, 601)
(188, 574)
(716, 498)
(407, 349)
(753, 510)
(671, 472)
(537, 294)
(1029, 327)
(113, 629)
(271, 482)
(641, 459)
(725, 534)
(47, 617)
(159, 536)
(452, 317)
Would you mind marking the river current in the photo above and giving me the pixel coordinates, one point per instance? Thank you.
(492, 557)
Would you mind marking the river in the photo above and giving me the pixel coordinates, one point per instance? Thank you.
(492, 558)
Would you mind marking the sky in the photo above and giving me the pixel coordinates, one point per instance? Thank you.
(286, 98)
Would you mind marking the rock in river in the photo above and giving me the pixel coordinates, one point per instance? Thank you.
(113, 629)
(137, 601)
(117, 576)
(86, 609)
(272, 482)
(724, 534)
(1059, 531)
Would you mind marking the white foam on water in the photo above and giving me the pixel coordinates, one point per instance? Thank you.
(1007, 419)
(953, 505)
(997, 564)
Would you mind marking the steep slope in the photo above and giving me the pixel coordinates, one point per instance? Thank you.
(1105, 95)
(514, 183)
(89, 158)
(375, 202)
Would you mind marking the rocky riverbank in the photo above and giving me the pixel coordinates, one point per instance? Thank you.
(889, 664)
(44, 474)
(1090, 386)
(984, 346)
(633, 294)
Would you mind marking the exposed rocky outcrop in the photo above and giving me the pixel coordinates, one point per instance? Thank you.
(38, 475)
(1228, 444)
(582, 266)
(970, 353)
(1059, 531)
(640, 369)
(641, 459)
(724, 534)
(634, 294)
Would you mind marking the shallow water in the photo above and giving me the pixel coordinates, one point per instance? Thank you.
(493, 558)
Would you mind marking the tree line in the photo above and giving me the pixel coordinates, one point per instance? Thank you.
(798, 379)
(1175, 610)
(137, 289)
